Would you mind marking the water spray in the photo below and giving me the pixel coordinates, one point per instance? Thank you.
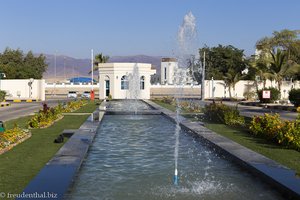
(176, 177)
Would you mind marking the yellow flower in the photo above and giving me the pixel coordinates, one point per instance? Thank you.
(298, 109)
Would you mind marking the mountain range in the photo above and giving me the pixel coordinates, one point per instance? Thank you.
(68, 67)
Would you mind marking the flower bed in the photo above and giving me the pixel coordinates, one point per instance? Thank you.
(12, 137)
(47, 116)
(73, 105)
(286, 133)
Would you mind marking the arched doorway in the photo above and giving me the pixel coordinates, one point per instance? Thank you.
(107, 86)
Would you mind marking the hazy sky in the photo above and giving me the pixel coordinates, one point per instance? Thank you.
(129, 27)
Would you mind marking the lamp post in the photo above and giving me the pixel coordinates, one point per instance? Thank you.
(2, 75)
(203, 79)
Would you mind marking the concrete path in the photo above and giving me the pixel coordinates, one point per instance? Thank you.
(250, 111)
(16, 110)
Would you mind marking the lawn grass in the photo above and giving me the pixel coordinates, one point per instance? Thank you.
(19, 165)
(165, 105)
(89, 108)
(287, 157)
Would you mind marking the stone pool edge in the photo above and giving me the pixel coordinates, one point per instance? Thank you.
(279, 176)
(56, 177)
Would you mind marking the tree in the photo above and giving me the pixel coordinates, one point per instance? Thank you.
(280, 54)
(16, 65)
(259, 67)
(231, 78)
(281, 67)
(222, 58)
(285, 40)
(99, 58)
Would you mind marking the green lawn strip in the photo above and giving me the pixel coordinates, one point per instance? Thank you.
(21, 122)
(172, 107)
(23, 162)
(287, 157)
(165, 105)
(19, 165)
(89, 108)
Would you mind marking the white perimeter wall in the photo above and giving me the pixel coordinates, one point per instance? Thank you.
(220, 90)
(245, 86)
(19, 89)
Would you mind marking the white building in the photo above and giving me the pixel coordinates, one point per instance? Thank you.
(172, 74)
(125, 80)
(168, 67)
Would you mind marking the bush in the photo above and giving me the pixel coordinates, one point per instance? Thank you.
(220, 113)
(2, 95)
(266, 126)
(286, 133)
(289, 135)
(275, 95)
(190, 106)
(168, 100)
(109, 97)
(250, 95)
(294, 97)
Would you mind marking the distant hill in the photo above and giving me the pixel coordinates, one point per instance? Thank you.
(68, 67)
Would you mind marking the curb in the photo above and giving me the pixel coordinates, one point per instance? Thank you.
(23, 100)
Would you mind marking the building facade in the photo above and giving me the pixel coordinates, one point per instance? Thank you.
(125, 80)
(172, 74)
(168, 68)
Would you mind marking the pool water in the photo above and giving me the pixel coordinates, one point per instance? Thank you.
(132, 157)
(128, 105)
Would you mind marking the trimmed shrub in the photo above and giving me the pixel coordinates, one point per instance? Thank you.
(220, 113)
(2, 95)
(275, 95)
(286, 133)
(266, 126)
(294, 97)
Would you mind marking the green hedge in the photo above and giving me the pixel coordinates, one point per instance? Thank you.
(220, 113)
(294, 97)
(275, 95)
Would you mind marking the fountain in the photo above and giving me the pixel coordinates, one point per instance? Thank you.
(187, 49)
(134, 87)
(130, 158)
(133, 158)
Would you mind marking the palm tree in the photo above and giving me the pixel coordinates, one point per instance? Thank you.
(99, 58)
(231, 78)
(281, 67)
(261, 70)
